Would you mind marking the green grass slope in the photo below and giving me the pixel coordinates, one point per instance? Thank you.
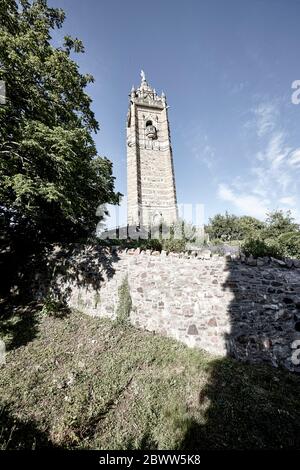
(87, 383)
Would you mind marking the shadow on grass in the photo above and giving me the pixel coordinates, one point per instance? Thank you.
(251, 401)
(248, 407)
(19, 324)
(17, 435)
(37, 279)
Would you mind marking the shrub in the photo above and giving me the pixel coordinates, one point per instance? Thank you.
(145, 244)
(260, 248)
(174, 237)
(151, 244)
(290, 244)
(53, 306)
(125, 302)
(175, 245)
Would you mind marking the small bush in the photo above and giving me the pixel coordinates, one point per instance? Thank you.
(125, 302)
(290, 244)
(175, 245)
(260, 248)
(53, 306)
(144, 244)
(151, 244)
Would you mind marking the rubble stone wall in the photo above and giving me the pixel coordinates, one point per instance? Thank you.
(246, 308)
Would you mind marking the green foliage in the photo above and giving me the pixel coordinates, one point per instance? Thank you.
(290, 244)
(260, 248)
(229, 227)
(53, 306)
(224, 227)
(249, 226)
(51, 179)
(270, 238)
(173, 237)
(278, 223)
(151, 244)
(143, 244)
(183, 230)
(174, 245)
(286, 245)
(278, 236)
(124, 302)
(178, 235)
(170, 238)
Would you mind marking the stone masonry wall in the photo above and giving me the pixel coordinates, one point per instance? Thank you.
(247, 309)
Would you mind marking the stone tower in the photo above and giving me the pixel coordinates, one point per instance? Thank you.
(150, 172)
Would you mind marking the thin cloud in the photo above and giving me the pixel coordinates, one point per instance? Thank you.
(266, 115)
(294, 158)
(264, 118)
(288, 200)
(246, 204)
(272, 179)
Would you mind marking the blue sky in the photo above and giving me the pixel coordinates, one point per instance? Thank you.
(227, 68)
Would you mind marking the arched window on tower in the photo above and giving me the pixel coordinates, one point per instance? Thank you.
(150, 130)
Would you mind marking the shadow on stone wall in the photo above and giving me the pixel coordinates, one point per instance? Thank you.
(38, 278)
(78, 265)
(253, 405)
(264, 312)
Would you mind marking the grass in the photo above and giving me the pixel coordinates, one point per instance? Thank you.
(87, 383)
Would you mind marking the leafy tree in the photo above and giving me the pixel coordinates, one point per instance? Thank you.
(230, 227)
(224, 227)
(51, 179)
(279, 222)
(249, 226)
